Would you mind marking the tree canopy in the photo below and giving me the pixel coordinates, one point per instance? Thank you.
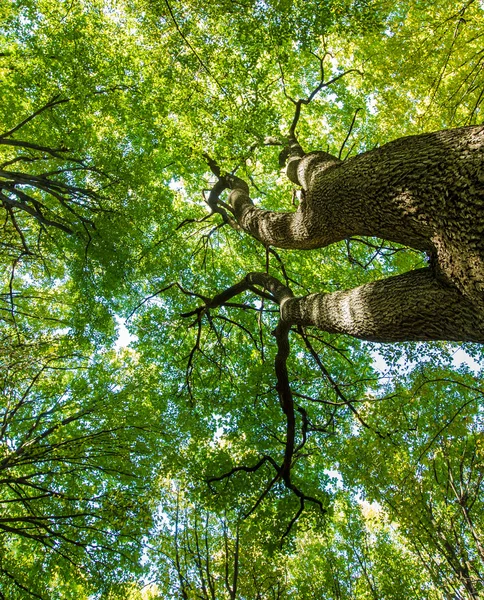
(219, 452)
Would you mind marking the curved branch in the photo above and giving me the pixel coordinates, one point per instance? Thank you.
(278, 293)
(55, 100)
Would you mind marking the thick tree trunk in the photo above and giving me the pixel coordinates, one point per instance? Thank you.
(426, 192)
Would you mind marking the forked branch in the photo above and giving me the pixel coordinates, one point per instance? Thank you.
(294, 149)
(278, 293)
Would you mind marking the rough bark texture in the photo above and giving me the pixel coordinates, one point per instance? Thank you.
(414, 306)
(426, 192)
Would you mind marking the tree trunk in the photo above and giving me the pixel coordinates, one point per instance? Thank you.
(426, 192)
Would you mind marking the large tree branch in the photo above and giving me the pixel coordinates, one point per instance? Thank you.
(284, 230)
(415, 306)
(417, 191)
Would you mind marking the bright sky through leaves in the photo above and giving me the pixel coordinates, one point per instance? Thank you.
(143, 452)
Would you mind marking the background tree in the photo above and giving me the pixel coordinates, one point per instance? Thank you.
(76, 472)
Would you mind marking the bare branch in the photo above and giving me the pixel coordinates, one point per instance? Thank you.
(321, 85)
(349, 133)
(55, 100)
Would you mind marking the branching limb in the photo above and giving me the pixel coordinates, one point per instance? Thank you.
(35, 211)
(195, 53)
(272, 289)
(380, 249)
(20, 233)
(293, 150)
(283, 387)
(240, 326)
(188, 221)
(55, 152)
(340, 351)
(277, 293)
(49, 198)
(334, 385)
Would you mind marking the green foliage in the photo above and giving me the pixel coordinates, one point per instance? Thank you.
(108, 109)
(77, 469)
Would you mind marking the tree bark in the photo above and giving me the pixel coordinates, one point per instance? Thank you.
(426, 192)
(414, 306)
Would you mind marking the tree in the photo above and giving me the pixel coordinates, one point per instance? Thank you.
(424, 192)
(74, 472)
(115, 117)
